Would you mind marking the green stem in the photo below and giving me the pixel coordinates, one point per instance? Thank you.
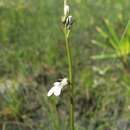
(68, 50)
(4, 126)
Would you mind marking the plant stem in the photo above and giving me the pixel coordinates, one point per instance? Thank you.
(4, 125)
(68, 50)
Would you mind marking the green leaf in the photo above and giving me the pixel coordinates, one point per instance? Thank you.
(105, 56)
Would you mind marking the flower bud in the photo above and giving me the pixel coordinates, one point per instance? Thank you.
(69, 22)
(63, 19)
(66, 10)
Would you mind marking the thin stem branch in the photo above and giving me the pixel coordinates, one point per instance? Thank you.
(68, 50)
(4, 126)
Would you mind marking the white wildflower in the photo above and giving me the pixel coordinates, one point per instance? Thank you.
(57, 87)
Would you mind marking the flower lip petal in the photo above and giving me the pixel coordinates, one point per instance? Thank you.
(57, 91)
(51, 91)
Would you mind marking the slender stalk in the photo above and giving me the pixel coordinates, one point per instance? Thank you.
(4, 126)
(68, 50)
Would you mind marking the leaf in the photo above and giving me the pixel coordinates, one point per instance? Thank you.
(104, 56)
(112, 32)
(95, 42)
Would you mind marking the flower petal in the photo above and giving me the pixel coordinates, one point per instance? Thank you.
(66, 9)
(64, 82)
(56, 84)
(57, 91)
(51, 91)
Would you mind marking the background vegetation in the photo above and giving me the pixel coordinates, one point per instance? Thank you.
(32, 56)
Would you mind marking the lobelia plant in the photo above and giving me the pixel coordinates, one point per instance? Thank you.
(67, 21)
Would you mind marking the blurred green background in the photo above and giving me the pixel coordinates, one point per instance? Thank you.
(32, 57)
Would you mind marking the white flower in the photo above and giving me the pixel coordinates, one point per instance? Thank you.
(66, 10)
(57, 87)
